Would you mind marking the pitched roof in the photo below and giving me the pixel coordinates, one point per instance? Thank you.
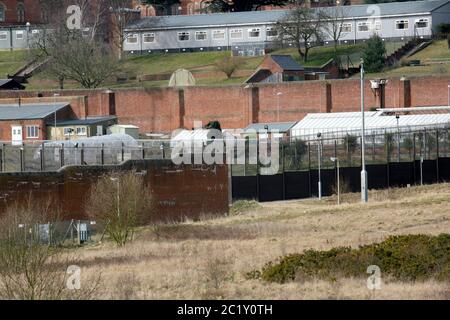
(286, 62)
(261, 17)
(29, 111)
(12, 82)
(86, 122)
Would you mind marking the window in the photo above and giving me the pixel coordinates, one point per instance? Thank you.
(236, 34)
(421, 23)
(81, 131)
(68, 131)
(377, 26)
(183, 36)
(363, 26)
(2, 12)
(132, 39)
(19, 35)
(254, 33)
(200, 35)
(32, 132)
(401, 24)
(149, 37)
(271, 32)
(346, 27)
(218, 35)
(3, 35)
(20, 12)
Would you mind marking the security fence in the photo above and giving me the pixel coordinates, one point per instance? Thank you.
(380, 148)
(48, 156)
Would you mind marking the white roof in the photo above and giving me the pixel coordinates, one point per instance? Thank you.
(125, 126)
(341, 123)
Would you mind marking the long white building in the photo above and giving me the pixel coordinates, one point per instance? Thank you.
(250, 33)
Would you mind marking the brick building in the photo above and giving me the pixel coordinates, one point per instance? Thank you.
(189, 7)
(19, 12)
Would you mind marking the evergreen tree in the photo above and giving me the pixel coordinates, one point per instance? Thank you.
(374, 54)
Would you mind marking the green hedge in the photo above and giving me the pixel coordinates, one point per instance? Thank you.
(410, 257)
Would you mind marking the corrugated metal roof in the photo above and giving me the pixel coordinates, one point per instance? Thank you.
(29, 111)
(286, 62)
(86, 122)
(271, 126)
(260, 17)
(341, 123)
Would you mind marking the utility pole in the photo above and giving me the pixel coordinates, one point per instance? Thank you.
(364, 186)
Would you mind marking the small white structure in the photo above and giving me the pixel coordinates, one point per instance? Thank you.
(182, 78)
(198, 137)
(124, 129)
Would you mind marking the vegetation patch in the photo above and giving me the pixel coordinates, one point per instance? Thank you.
(404, 258)
(243, 206)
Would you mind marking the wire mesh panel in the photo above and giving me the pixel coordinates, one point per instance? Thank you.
(51, 158)
(32, 158)
(12, 158)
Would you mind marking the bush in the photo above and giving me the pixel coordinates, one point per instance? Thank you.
(374, 54)
(123, 202)
(228, 65)
(407, 258)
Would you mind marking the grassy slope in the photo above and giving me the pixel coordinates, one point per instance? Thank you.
(435, 52)
(10, 61)
(209, 259)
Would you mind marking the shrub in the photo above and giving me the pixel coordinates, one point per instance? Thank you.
(407, 258)
(228, 65)
(30, 269)
(374, 54)
(243, 206)
(122, 201)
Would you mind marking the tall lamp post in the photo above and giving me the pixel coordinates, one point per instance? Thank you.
(398, 137)
(319, 158)
(364, 186)
(338, 179)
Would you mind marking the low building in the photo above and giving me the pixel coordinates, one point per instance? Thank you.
(124, 129)
(276, 69)
(76, 129)
(28, 122)
(10, 84)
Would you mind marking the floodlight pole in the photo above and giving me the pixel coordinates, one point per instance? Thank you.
(364, 187)
(319, 160)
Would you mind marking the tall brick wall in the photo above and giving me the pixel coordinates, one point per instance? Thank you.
(167, 109)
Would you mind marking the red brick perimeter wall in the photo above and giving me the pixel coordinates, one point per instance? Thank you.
(166, 109)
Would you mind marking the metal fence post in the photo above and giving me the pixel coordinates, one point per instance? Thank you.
(61, 156)
(21, 159)
(103, 154)
(437, 156)
(2, 158)
(42, 155)
(82, 155)
(123, 152)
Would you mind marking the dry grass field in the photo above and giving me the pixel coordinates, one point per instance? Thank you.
(209, 259)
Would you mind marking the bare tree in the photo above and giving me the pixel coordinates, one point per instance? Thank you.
(302, 27)
(333, 25)
(121, 200)
(229, 65)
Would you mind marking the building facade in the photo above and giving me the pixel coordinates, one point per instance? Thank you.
(19, 12)
(251, 33)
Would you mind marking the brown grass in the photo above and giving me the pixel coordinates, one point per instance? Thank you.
(209, 259)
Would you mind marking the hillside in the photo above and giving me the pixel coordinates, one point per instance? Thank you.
(210, 259)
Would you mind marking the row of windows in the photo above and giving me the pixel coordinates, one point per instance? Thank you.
(80, 131)
(237, 34)
(203, 35)
(20, 12)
